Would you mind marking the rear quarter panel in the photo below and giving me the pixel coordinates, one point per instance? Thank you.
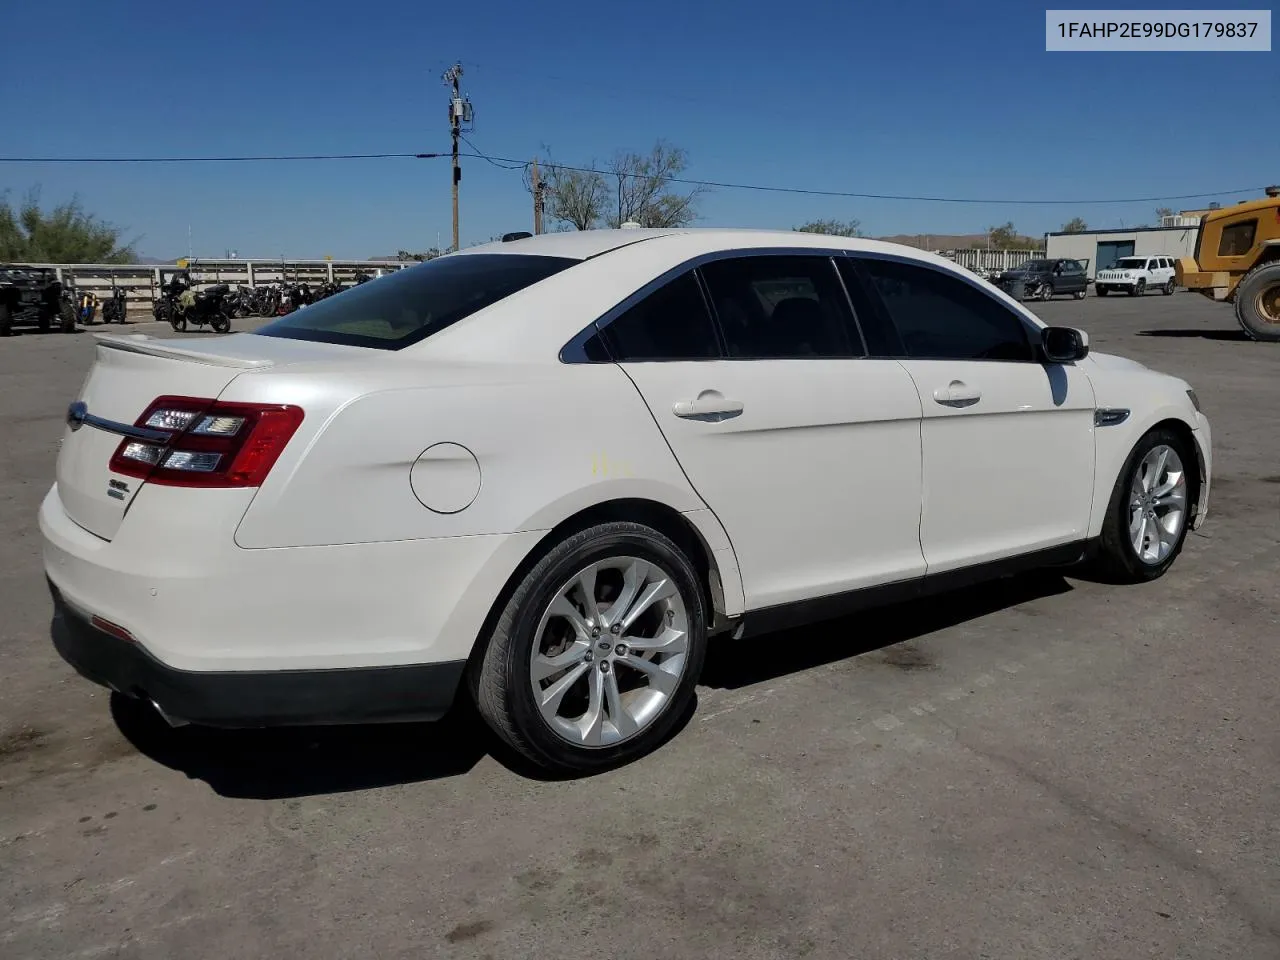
(550, 439)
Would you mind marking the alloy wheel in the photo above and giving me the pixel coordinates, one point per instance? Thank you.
(1157, 504)
(609, 652)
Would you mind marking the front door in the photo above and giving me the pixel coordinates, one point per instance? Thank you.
(1007, 441)
(807, 451)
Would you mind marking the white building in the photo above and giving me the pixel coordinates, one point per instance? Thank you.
(1102, 248)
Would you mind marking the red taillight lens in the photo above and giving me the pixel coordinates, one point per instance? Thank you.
(210, 444)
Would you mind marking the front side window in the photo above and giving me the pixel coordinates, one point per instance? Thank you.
(943, 317)
(672, 323)
(1237, 239)
(406, 307)
(781, 307)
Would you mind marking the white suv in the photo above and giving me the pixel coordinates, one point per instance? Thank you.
(1137, 275)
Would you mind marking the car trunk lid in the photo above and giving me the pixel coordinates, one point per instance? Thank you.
(129, 372)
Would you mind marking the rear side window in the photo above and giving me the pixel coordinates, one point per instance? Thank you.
(781, 307)
(404, 308)
(672, 323)
(1237, 239)
(942, 317)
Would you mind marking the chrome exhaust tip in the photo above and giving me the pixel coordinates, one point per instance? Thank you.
(174, 722)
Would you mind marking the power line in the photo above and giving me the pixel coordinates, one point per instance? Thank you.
(245, 159)
(516, 164)
(723, 185)
(482, 156)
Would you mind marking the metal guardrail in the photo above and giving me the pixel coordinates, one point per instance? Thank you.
(141, 281)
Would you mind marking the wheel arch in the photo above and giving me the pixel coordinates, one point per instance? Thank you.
(668, 521)
(1115, 444)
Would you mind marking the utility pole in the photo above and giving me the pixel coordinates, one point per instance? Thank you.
(459, 113)
(537, 197)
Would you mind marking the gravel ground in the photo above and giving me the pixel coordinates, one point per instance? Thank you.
(1042, 768)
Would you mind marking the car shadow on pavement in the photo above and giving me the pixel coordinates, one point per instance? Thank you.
(306, 761)
(756, 659)
(309, 761)
(1233, 335)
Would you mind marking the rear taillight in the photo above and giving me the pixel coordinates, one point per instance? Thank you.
(209, 444)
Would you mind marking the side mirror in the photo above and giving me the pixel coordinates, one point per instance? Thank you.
(1064, 344)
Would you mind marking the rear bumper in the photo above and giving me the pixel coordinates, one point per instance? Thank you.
(253, 698)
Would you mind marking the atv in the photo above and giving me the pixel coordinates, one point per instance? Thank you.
(34, 295)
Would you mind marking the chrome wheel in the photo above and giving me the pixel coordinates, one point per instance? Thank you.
(609, 652)
(1157, 504)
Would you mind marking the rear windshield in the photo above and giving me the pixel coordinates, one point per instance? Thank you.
(410, 305)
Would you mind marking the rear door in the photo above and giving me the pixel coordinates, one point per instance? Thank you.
(1007, 441)
(806, 450)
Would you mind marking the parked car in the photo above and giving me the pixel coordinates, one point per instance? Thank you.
(1136, 275)
(543, 473)
(1045, 279)
(34, 295)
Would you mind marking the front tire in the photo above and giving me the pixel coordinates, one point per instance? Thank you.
(593, 660)
(221, 324)
(1149, 513)
(6, 320)
(1258, 302)
(1080, 294)
(1138, 289)
(67, 316)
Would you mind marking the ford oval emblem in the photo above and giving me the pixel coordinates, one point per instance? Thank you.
(76, 414)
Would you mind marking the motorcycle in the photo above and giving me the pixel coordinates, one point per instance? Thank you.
(87, 308)
(239, 302)
(114, 308)
(328, 289)
(180, 305)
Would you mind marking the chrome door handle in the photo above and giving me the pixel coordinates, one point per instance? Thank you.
(710, 407)
(957, 394)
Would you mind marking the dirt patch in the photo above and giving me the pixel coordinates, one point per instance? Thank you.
(468, 931)
(18, 742)
(906, 657)
(1271, 479)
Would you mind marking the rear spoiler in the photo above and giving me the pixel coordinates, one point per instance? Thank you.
(155, 347)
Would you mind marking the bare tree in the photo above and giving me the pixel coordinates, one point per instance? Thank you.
(1162, 212)
(643, 192)
(576, 197)
(1075, 225)
(835, 228)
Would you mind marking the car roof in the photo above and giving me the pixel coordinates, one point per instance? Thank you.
(568, 301)
(585, 244)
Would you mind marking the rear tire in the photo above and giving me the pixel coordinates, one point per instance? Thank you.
(67, 314)
(1169, 288)
(1116, 557)
(6, 320)
(1080, 294)
(1258, 302)
(627, 711)
(1046, 291)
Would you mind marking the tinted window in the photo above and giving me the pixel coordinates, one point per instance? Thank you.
(881, 336)
(781, 307)
(1237, 239)
(410, 305)
(939, 316)
(1075, 266)
(672, 323)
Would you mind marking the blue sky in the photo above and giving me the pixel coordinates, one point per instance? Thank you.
(923, 98)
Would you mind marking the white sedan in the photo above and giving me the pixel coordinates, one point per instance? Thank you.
(543, 472)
